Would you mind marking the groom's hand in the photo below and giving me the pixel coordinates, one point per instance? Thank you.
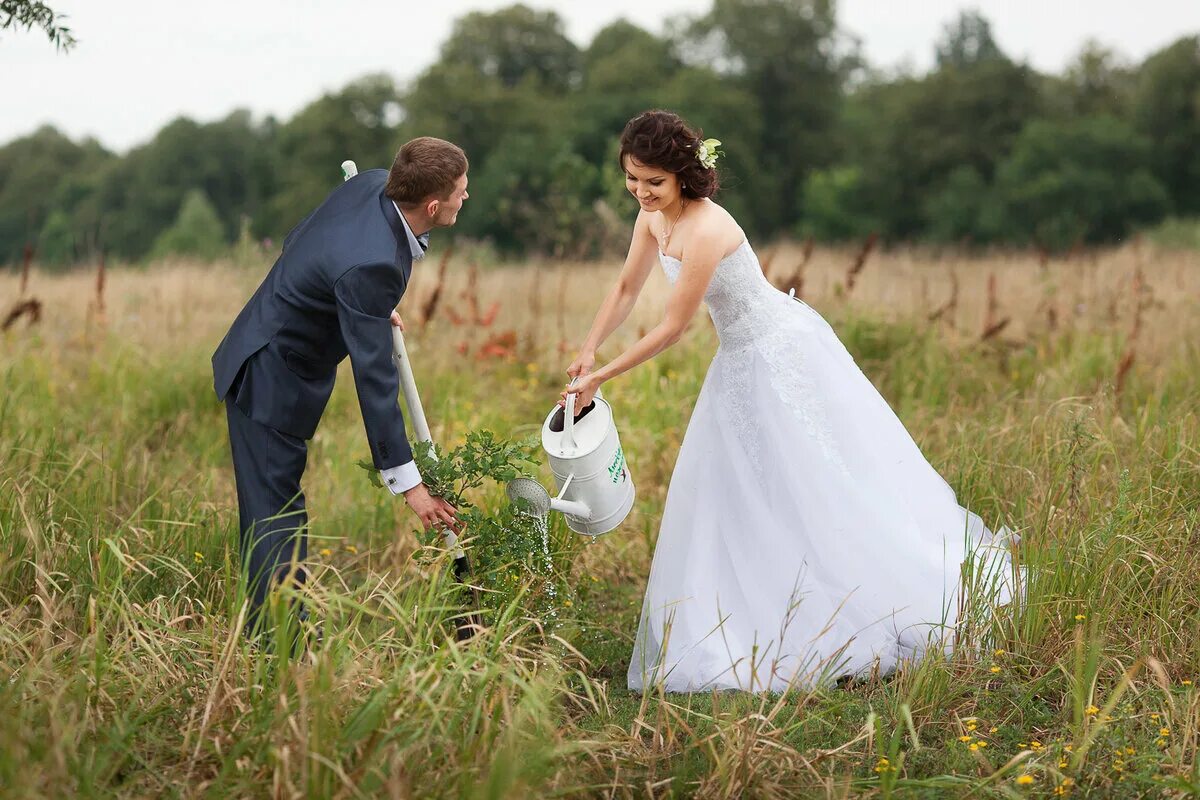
(397, 322)
(433, 511)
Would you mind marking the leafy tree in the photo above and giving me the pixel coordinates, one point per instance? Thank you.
(1085, 180)
(227, 160)
(966, 41)
(536, 194)
(56, 244)
(835, 205)
(963, 209)
(30, 14)
(515, 45)
(1097, 81)
(625, 71)
(474, 111)
(909, 135)
(499, 74)
(32, 170)
(621, 45)
(723, 111)
(360, 122)
(786, 54)
(1167, 110)
(197, 230)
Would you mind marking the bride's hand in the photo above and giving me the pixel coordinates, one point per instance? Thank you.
(582, 365)
(584, 389)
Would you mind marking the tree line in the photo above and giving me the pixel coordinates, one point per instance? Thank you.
(980, 150)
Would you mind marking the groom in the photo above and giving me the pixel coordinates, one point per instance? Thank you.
(331, 293)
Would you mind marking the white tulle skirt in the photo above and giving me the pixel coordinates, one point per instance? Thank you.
(804, 536)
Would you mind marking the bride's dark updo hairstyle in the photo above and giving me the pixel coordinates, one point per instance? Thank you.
(663, 140)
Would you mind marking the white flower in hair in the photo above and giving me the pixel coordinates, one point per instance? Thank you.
(707, 153)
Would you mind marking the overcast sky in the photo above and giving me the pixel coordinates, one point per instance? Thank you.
(141, 63)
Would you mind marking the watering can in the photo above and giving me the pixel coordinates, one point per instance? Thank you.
(595, 489)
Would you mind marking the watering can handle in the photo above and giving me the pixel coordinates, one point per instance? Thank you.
(569, 419)
(569, 416)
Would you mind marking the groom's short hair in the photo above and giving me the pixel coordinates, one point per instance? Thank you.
(425, 167)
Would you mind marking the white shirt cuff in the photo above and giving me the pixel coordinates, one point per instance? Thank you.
(402, 478)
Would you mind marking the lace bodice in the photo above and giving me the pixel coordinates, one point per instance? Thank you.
(752, 316)
(738, 297)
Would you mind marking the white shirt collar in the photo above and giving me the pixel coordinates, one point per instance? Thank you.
(416, 244)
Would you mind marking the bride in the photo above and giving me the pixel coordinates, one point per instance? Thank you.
(804, 535)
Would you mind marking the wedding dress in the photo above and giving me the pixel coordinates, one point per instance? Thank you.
(804, 535)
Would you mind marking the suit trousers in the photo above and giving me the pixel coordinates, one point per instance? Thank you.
(267, 467)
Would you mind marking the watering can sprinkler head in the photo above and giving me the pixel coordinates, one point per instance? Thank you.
(531, 498)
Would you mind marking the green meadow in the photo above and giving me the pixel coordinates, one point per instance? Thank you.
(1059, 398)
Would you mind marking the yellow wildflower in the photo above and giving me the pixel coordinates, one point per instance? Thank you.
(1129, 751)
(1035, 745)
(1080, 617)
(1062, 763)
(326, 552)
(198, 556)
(1000, 651)
(972, 726)
(351, 549)
(1024, 780)
(1091, 711)
(982, 743)
(974, 746)
(964, 738)
(994, 670)
(1164, 731)
(1154, 717)
(993, 729)
(568, 603)
(1186, 683)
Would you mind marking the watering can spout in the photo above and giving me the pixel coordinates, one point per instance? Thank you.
(572, 508)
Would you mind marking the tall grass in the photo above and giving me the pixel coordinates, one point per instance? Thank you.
(122, 673)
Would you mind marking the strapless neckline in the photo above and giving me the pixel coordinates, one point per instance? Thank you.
(733, 252)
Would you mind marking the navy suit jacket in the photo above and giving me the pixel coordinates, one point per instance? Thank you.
(342, 271)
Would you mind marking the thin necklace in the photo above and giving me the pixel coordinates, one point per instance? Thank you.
(665, 236)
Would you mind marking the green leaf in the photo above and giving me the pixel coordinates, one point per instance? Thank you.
(372, 473)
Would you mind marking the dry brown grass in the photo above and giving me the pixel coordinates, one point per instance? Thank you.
(970, 294)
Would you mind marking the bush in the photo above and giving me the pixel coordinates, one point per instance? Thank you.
(197, 231)
(1176, 234)
(515, 559)
(1085, 180)
(835, 206)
